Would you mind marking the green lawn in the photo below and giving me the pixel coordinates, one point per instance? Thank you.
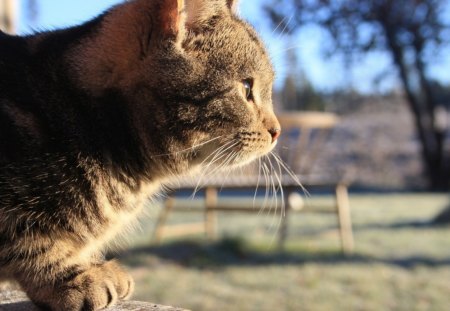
(397, 265)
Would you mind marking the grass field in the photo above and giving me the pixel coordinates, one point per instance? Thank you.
(399, 264)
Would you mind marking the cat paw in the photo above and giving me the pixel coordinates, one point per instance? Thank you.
(94, 289)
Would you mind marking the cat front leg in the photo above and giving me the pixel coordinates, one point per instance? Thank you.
(97, 287)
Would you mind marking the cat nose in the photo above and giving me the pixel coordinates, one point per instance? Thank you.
(275, 132)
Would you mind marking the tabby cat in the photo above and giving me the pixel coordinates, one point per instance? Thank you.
(95, 118)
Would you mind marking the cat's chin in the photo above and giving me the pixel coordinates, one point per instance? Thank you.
(247, 159)
(242, 160)
(199, 165)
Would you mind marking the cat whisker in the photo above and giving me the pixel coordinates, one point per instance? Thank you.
(210, 159)
(267, 203)
(257, 182)
(228, 159)
(280, 185)
(233, 157)
(217, 155)
(224, 163)
(286, 25)
(225, 149)
(277, 189)
(187, 149)
(266, 194)
(279, 24)
(264, 204)
(278, 177)
(280, 52)
(274, 200)
(290, 173)
(269, 189)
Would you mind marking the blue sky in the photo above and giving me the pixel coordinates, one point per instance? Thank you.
(325, 75)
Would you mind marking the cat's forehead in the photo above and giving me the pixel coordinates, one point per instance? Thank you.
(238, 40)
(257, 44)
(228, 47)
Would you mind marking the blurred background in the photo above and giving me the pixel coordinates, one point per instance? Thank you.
(382, 68)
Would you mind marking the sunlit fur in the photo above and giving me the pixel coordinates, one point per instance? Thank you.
(94, 119)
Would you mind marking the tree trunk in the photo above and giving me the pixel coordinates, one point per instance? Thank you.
(431, 138)
(439, 167)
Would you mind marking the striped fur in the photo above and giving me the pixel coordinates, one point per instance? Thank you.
(94, 119)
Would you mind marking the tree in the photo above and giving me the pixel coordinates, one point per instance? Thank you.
(410, 31)
(298, 93)
(32, 10)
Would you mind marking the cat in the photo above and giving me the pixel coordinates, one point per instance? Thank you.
(94, 119)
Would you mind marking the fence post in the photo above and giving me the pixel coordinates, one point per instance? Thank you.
(285, 211)
(210, 213)
(344, 218)
(162, 219)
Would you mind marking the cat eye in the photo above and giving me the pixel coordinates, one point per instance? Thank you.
(248, 88)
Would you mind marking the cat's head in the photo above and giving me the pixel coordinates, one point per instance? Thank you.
(196, 79)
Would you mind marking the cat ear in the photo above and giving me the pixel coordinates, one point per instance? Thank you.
(233, 5)
(197, 11)
(200, 11)
(171, 17)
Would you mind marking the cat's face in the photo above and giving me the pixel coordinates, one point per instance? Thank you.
(230, 80)
(203, 82)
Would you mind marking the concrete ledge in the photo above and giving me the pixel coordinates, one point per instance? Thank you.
(18, 301)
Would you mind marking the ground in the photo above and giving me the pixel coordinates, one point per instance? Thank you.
(399, 263)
